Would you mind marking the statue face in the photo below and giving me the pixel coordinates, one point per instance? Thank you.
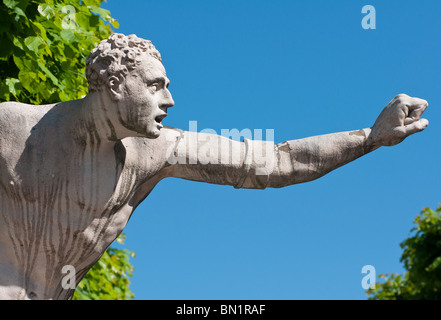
(145, 98)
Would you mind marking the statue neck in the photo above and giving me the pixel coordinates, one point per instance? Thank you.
(97, 116)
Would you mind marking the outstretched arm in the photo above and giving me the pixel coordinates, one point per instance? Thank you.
(258, 164)
(308, 159)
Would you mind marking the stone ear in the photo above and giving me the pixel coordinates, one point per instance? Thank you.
(114, 86)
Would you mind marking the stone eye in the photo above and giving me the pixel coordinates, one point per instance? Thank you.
(155, 86)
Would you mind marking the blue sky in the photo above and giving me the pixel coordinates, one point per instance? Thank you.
(302, 68)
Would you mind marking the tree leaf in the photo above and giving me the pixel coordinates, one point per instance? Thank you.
(13, 85)
(19, 42)
(105, 14)
(46, 10)
(33, 43)
(19, 12)
(39, 30)
(11, 4)
(49, 74)
(27, 79)
(68, 35)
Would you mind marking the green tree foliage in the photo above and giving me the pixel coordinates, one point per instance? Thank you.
(44, 47)
(109, 278)
(43, 51)
(422, 261)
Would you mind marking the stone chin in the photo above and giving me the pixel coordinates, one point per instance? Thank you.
(153, 134)
(150, 133)
(150, 130)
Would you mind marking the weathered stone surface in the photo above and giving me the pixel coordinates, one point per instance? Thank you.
(73, 172)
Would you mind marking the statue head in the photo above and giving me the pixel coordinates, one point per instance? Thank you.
(129, 70)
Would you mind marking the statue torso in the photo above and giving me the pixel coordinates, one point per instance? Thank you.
(62, 202)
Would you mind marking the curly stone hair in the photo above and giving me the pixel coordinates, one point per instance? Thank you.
(116, 56)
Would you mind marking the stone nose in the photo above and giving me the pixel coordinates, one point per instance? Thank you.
(167, 101)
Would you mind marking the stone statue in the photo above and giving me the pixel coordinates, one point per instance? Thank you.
(72, 173)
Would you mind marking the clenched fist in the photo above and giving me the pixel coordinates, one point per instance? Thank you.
(399, 119)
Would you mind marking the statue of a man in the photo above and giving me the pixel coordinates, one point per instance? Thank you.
(72, 173)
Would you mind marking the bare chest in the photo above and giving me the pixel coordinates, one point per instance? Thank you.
(69, 214)
(89, 194)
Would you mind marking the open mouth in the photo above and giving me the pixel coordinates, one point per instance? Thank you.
(159, 118)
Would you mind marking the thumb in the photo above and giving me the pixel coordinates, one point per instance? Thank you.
(416, 126)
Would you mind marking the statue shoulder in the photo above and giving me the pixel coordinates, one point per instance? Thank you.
(151, 155)
(16, 122)
(11, 109)
(14, 105)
